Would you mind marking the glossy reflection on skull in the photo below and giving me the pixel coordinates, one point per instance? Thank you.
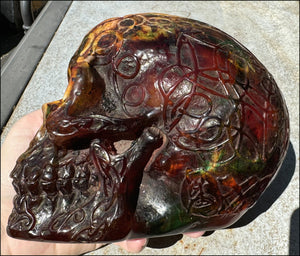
(206, 123)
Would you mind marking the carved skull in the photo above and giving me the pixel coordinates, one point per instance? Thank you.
(206, 123)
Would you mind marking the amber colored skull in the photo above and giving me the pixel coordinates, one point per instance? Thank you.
(207, 126)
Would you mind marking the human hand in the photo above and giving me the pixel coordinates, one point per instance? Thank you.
(16, 142)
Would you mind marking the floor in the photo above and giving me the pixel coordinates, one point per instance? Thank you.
(268, 29)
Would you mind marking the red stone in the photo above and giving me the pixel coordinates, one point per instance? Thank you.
(208, 125)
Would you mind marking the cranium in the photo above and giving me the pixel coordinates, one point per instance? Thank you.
(206, 123)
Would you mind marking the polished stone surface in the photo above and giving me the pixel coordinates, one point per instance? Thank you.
(270, 30)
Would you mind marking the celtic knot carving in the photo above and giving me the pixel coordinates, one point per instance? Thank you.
(205, 122)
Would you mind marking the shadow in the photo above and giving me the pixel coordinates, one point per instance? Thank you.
(208, 233)
(294, 233)
(273, 192)
(167, 241)
(163, 242)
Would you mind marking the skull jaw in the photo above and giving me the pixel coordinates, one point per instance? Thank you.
(101, 202)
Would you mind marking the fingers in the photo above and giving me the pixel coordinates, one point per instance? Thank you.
(137, 245)
(30, 123)
(134, 245)
(195, 234)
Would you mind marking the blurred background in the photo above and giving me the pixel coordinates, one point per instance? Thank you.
(16, 18)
